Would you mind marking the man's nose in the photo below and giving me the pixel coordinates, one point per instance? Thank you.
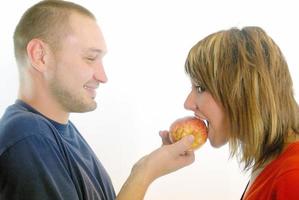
(100, 74)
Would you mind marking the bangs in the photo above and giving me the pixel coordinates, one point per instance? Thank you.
(193, 69)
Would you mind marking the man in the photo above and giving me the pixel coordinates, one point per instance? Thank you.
(59, 49)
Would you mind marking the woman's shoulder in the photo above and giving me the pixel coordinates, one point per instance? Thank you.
(289, 159)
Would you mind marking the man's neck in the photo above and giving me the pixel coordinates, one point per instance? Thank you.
(46, 107)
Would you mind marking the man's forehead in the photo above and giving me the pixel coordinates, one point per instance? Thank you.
(86, 33)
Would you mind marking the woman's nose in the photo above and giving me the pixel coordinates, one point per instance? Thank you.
(189, 103)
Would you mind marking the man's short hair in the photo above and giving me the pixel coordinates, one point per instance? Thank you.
(48, 21)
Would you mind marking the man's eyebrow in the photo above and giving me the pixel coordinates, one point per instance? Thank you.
(99, 51)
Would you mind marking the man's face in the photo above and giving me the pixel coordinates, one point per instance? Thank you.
(77, 68)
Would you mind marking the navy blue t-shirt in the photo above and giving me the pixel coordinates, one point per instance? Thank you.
(41, 159)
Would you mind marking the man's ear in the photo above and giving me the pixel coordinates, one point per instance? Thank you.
(36, 52)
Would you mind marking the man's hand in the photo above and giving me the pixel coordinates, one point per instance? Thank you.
(162, 161)
(166, 159)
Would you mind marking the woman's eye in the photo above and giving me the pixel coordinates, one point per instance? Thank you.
(199, 89)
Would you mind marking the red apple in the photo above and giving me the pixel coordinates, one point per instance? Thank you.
(187, 126)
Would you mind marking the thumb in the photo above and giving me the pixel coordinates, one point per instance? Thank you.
(184, 144)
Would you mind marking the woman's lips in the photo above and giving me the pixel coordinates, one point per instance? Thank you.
(205, 121)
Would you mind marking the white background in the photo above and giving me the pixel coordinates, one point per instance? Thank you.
(148, 42)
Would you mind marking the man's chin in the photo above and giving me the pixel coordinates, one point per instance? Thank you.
(85, 108)
(91, 107)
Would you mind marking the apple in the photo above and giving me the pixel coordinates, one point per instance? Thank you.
(187, 126)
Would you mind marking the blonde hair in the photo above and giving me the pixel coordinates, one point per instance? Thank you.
(47, 20)
(246, 72)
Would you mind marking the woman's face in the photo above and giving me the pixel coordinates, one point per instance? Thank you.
(206, 108)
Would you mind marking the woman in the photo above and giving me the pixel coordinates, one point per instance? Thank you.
(242, 87)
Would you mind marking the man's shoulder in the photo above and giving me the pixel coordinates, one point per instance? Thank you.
(18, 120)
(17, 124)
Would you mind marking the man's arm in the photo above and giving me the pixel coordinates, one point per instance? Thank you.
(162, 161)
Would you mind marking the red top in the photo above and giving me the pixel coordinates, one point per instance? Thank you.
(280, 179)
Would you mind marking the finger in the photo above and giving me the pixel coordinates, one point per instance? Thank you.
(165, 137)
(183, 145)
(187, 159)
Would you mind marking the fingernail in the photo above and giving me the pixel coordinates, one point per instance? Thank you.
(190, 138)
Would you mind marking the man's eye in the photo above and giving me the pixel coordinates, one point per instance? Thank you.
(91, 59)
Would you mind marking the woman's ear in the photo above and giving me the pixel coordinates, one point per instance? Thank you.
(36, 52)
